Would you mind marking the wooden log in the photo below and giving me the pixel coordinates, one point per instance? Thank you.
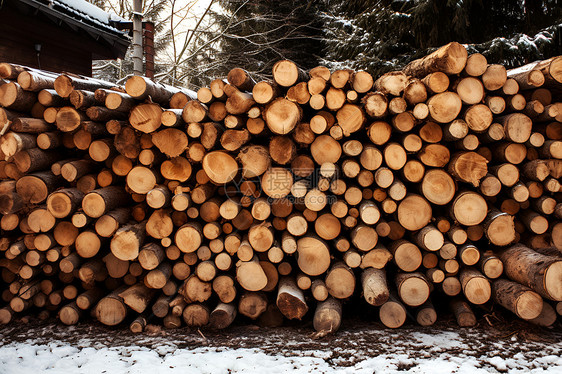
(364, 237)
(108, 223)
(69, 119)
(286, 73)
(14, 97)
(196, 315)
(468, 167)
(103, 114)
(252, 304)
(35, 188)
(449, 59)
(82, 99)
(264, 92)
(550, 69)
(491, 266)
(406, 216)
(150, 256)
(101, 201)
(139, 324)
(12, 143)
(10, 71)
(476, 65)
(126, 242)
(517, 298)
(195, 290)
(127, 142)
(158, 278)
(313, 255)
(499, 228)
(494, 77)
(290, 299)
(539, 272)
(64, 84)
(64, 202)
(35, 159)
(375, 288)
(392, 313)
(476, 287)
(70, 314)
(413, 288)
(250, 275)
(328, 316)
(350, 118)
(111, 309)
(464, 315)
(146, 118)
(469, 208)
(429, 238)
(89, 298)
(220, 167)
(340, 281)
(426, 314)
(535, 222)
(224, 287)
(299, 94)
(444, 107)
(119, 101)
(171, 142)
(141, 88)
(189, 237)
(517, 127)
(222, 316)
(237, 103)
(470, 90)
(407, 256)
(438, 187)
(546, 318)
(282, 115)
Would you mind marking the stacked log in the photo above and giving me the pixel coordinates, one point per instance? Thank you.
(428, 189)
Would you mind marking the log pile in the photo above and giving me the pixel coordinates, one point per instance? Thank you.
(427, 190)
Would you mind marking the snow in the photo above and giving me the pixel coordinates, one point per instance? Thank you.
(87, 9)
(365, 349)
(88, 12)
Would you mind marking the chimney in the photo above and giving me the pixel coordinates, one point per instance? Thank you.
(148, 44)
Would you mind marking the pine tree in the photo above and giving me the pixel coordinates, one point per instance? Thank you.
(383, 35)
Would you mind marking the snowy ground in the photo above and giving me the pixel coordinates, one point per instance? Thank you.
(40, 347)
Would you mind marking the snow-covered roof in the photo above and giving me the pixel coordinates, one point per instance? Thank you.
(81, 15)
(86, 12)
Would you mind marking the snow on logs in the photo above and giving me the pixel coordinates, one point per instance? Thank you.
(427, 189)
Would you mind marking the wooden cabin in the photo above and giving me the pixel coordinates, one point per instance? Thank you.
(59, 35)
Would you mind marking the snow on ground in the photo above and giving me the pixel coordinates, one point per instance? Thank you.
(50, 348)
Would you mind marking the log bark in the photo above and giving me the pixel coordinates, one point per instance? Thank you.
(375, 288)
(464, 315)
(515, 297)
(290, 299)
(449, 59)
(328, 316)
(539, 272)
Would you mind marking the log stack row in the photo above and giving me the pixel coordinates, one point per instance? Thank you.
(426, 191)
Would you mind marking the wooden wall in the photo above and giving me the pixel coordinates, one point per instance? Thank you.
(62, 49)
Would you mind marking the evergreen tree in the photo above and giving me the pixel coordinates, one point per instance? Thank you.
(384, 35)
